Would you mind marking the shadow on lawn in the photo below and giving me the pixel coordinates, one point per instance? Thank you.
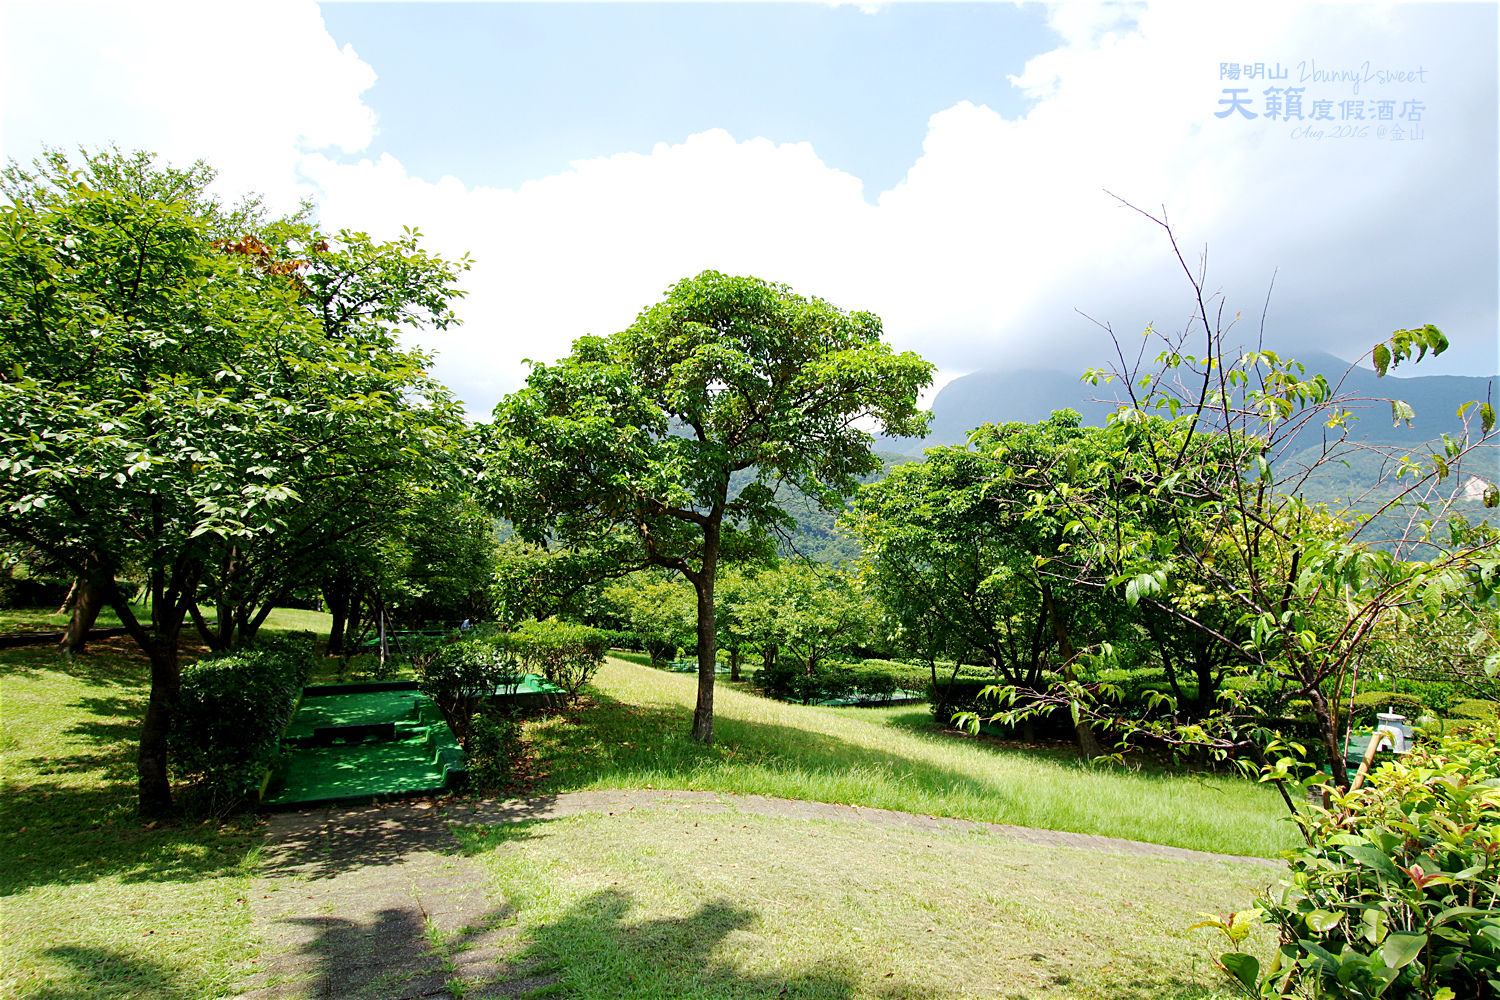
(64, 835)
(395, 955)
(611, 741)
(594, 950)
(113, 662)
(100, 974)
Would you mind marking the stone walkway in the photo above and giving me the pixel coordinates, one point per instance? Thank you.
(376, 902)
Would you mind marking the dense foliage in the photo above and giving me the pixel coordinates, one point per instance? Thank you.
(204, 397)
(1398, 891)
(566, 654)
(232, 711)
(628, 446)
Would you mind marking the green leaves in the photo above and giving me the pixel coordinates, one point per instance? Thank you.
(1403, 342)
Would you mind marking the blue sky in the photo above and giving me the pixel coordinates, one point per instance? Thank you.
(499, 94)
(950, 167)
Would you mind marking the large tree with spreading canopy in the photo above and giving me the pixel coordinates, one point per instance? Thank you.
(627, 445)
(181, 383)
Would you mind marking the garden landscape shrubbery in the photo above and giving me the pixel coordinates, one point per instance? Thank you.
(231, 712)
(1397, 892)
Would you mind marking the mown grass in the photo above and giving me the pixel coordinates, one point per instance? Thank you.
(93, 903)
(634, 735)
(44, 619)
(676, 902)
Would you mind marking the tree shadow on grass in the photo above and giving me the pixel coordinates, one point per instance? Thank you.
(595, 950)
(102, 974)
(65, 835)
(612, 742)
(326, 843)
(396, 955)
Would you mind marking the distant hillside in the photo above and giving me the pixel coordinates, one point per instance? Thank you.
(993, 397)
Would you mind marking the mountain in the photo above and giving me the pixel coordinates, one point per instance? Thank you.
(994, 397)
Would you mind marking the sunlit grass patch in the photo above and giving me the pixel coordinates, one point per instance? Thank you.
(635, 736)
(94, 904)
(672, 902)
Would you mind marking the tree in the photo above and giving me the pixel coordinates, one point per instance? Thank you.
(177, 376)
(627, 446)
(808, 611)
(656, 607)
(953, 545)
(1193, 505)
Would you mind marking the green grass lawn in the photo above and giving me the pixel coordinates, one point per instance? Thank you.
(42, 619)
(635, 736)
(673, 902)
(92, 903)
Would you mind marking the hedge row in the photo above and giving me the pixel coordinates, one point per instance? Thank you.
(790, 681)
(231, 713)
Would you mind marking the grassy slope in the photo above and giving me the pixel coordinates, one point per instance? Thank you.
(41, 619)
(92, 903)
(95, 905)
(635, 737)
(672, 902)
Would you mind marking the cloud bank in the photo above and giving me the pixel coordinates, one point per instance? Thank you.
(982, 257)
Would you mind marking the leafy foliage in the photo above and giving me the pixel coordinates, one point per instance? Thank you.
(458, 677)
(201, 394)
(566, 654)
(232, 711)
(1398, 890)
(628, 446)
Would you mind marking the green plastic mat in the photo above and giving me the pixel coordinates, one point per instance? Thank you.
(399, 743)
(403, 705)
(427, 760)
(422, 757)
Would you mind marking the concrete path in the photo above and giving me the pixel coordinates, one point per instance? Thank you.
(376, 903)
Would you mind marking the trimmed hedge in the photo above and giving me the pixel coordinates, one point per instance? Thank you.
(789, 681)
(231, 712)
(568, 655)
(1368, 704)
(1476, 708)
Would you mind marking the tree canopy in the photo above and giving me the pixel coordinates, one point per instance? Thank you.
(627, 446)
(195, 392)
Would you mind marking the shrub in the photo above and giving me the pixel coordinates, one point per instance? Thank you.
(662, 652)
(460, 675)
(493, 750)
(1476, 708)
(1368, 704)
(1398, 892)
(617, 639)
(568, 655)
(231, 712)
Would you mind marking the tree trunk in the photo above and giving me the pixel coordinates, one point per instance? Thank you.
(209, 636)
(734, 664)
(90, 596)
(337, 597)
(1328, 732)
(1203, 666)
(67, 601)
(155, 790)
(1088, 745)
(703, 583)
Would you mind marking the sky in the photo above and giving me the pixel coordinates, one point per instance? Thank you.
(965, 171)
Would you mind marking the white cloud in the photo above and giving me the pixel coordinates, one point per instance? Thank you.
(978, 258)
(250, 87)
